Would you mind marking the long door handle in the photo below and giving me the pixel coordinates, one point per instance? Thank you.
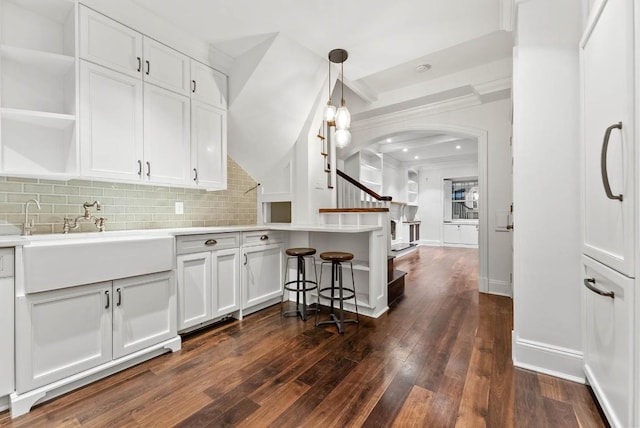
(148, 67)
(195, 175)
(108, 299)
(119, 297)
(603, 162)
(194, 86)
(139, 63)
(139, 167)
(148, 169)
(590, 284)
(245, 259)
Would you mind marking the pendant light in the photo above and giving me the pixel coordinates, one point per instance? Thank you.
(341, 117)
(330, 109)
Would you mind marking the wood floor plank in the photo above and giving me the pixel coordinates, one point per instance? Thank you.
(415, 410)
(441, 357)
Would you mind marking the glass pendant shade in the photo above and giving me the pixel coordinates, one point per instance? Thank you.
(343, 118)
(329, 112)
(343, 138)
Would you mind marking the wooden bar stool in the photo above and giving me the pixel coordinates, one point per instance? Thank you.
(300, 285)
(337, 291)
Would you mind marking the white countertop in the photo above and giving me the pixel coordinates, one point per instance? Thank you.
(17, 240)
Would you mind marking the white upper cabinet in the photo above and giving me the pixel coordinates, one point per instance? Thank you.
(111, 123)
(166, 136)
(208, 85)
(165, 67)
(208, 146)
(608, 130)
(109, 43)
(137, 103)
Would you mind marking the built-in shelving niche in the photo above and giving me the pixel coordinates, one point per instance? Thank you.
(38, 96)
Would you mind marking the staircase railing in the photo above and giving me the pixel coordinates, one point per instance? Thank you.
(353, 194)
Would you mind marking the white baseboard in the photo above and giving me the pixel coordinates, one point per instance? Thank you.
(501, 288)
(4, 403)
(483, 284)
(429, 243)
(548, 359)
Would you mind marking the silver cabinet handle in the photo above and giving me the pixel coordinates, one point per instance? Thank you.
(589, 283)
(148, 169)
(245, 259)
(264, 237)
(195, 174)
(603, 162)
(139, 167)
(210, 242)
(119, 297)
(108, 299)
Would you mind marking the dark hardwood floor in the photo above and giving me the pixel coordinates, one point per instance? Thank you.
(440, 358)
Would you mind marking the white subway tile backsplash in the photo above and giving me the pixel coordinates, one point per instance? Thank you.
(126, 206)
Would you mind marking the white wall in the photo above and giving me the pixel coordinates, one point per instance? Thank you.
(468, 117)
(431, 198)
(547, 240)
(394, 179)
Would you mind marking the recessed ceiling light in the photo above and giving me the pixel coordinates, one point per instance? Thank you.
(458, 147)
(405, 150)
(422, 68)
(388, 140)
(417, 157)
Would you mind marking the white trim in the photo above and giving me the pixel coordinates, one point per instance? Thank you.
(430, 242)
(4, 403)
(483, 284)
(500, 288)
(548, 359)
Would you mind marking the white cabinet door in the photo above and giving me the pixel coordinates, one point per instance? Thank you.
(109, 43)
(208, 85)
(208, 146)
(166, 67)
(262, 274)
(469, 234)
(194, 289)
(226, 281)
(144, 312)
(608, 340)
(451, 234)
(110, 123)
(607, 76)
(166, 136)
(61, 333)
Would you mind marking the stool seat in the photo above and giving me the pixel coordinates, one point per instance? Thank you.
(336, 256)
(295, 252)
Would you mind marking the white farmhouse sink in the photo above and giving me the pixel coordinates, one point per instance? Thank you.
(59, 261)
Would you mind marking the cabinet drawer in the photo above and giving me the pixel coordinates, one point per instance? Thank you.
(609, 339)
(262, 237)
(6, 262)
(206, 242)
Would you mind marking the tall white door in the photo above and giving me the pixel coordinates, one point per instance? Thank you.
(607, 80)
(144, 312)
(208, 146)
(110, 123)
(166, 136)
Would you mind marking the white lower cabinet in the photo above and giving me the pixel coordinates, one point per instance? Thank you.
(66, 331)
(62, 332)
(608, 326)
(262, 268)
(208, 279)
(460, 234)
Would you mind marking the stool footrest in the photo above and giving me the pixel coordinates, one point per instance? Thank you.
(329, 293)
(304, 287)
